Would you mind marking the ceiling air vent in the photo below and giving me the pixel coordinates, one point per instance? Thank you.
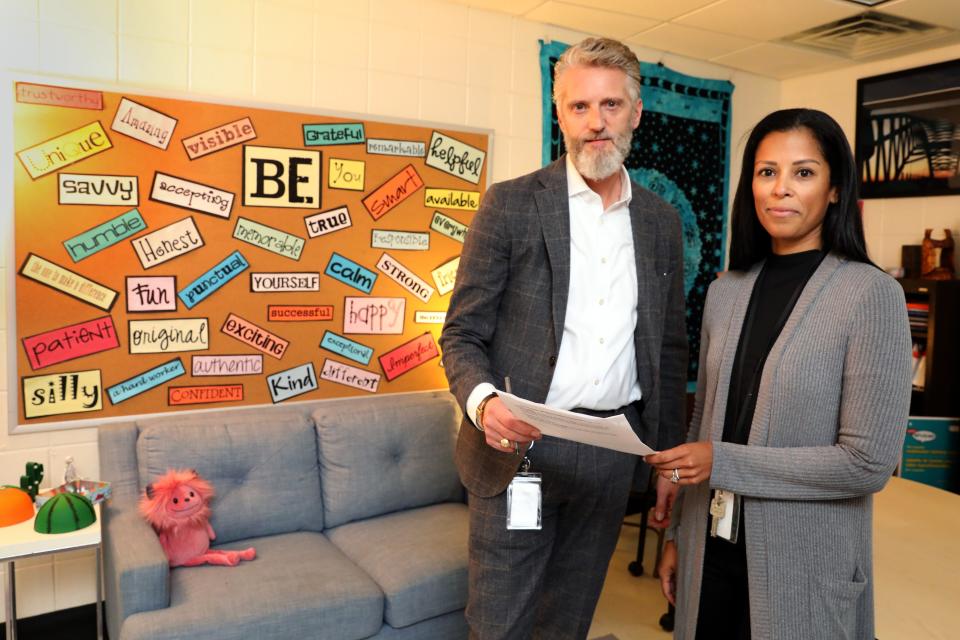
(866, 35)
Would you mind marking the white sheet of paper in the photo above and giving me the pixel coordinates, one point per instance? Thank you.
(611, 433)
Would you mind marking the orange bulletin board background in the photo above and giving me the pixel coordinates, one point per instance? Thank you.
(179, 255)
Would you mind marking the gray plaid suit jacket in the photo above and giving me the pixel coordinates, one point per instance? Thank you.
(506, 314)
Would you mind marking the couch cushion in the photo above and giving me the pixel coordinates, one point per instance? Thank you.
(417, 557)
(299, 586)
(378, 458)
(262, 466)
(449, 626)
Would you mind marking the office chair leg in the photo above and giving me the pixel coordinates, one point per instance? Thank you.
(667, 619)
(636, 567)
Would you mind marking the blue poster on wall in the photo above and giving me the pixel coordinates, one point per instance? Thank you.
(681, 152)
(931, 452)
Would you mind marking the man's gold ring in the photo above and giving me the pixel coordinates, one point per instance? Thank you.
(504, 443)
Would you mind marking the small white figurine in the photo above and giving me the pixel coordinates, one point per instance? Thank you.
(70, 474)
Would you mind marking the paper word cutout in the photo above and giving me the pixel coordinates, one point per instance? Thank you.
(69, 282)
(226, 365)
(168, 336)
(59, 393)
(70, 342)
(350, 376)
(82, 188)
(292, 382)
(145, 381)
(219, 138)
(64, 150)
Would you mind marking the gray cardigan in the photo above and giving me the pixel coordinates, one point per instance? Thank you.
(827, 433)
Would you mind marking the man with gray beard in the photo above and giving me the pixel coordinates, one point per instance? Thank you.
(570, 287)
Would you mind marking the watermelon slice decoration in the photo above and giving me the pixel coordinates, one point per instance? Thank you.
(63, 513)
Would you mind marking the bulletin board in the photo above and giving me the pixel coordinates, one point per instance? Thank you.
(174, 255)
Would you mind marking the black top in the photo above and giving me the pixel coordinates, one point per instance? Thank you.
(774, 295)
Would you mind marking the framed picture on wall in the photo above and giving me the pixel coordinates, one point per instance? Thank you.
(908, 132)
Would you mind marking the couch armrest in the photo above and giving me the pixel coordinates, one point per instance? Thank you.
(136, 569)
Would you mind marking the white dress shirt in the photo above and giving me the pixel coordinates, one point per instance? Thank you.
(597, 366)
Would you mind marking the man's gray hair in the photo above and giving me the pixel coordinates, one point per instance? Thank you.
(600, 52)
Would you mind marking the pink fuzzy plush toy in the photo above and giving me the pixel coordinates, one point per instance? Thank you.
(177, 505)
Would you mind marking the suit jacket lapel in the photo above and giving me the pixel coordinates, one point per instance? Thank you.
(645, 236)
(554, 210)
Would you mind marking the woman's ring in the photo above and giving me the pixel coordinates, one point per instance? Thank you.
(675, 478)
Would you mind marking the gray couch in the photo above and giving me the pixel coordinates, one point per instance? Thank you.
(354, 507)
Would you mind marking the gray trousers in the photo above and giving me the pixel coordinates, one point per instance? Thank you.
(545, 584)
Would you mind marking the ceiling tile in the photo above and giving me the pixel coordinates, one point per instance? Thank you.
(604, 23)
(779, 61)
(768, 19)
(645, 8)
(940, 12)
(690, 42)
(514, 7)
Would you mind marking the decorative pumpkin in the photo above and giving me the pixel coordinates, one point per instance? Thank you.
(63, 513)
(15, 506)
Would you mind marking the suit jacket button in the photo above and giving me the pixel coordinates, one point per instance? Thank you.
(553, 360)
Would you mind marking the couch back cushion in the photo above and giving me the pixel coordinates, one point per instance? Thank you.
(377, 458)
(262, 465)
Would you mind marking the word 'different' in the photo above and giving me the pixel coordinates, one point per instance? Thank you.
(349, 376)
(252, 335)
(394, 191)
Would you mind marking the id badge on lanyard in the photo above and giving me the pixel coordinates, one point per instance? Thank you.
(525, 500)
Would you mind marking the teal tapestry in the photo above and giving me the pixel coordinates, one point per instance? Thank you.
(681, 152)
